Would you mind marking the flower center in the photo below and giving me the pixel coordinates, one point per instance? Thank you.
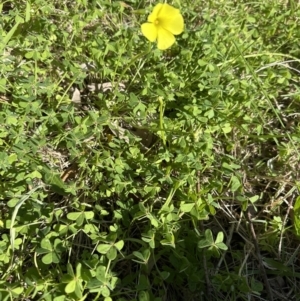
(156, 22)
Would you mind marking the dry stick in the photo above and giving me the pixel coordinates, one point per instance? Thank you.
(290, 206)
(208, 289)
(261, 266)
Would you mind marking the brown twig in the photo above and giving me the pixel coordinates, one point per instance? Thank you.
(290, 206)
(258, 255)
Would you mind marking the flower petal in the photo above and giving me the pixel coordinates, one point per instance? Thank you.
(154, 15)
(149, 30)
(171, 19)
(165, 39)
(174, 25)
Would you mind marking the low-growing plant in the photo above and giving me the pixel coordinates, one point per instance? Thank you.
(129, 172)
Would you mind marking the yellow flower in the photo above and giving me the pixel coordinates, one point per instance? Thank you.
(164, 22)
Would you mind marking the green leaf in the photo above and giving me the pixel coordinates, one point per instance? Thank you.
(12, 202)
(27, 11)
(186, 207)
(8, 36)
(66, 278)
(209, 236)
(70, 287)
(212, 210)
(3, 85)
(221, 246)
(80, 220)
(105, 291)
(142, 207)
(202, 63)
(112, 237)
(89, 214)
(153, 221)
(101, 273)
(119, 245)
(78, 288)
(90, 228)
(219, 238)
(143, 296)
(164, 275)
(214, 251)
(46, 244)
(17, 291)
(60, 298)
(112, 253)
(58, 245)
(231, 166)
(70, 270)
(297, 215)
(235, 183)
(73, 216)
(226, 128)
(208, 241)
(53, 179)
(138, 255)
(34, 175)
(256, 286)
(103, 248)
(254, 199)
(78, 270)
(50, 258)
(203, 244)
(94, 283)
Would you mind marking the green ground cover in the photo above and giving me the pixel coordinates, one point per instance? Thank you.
(130, 173)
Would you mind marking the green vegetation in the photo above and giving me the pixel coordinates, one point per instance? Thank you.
(129, 173)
